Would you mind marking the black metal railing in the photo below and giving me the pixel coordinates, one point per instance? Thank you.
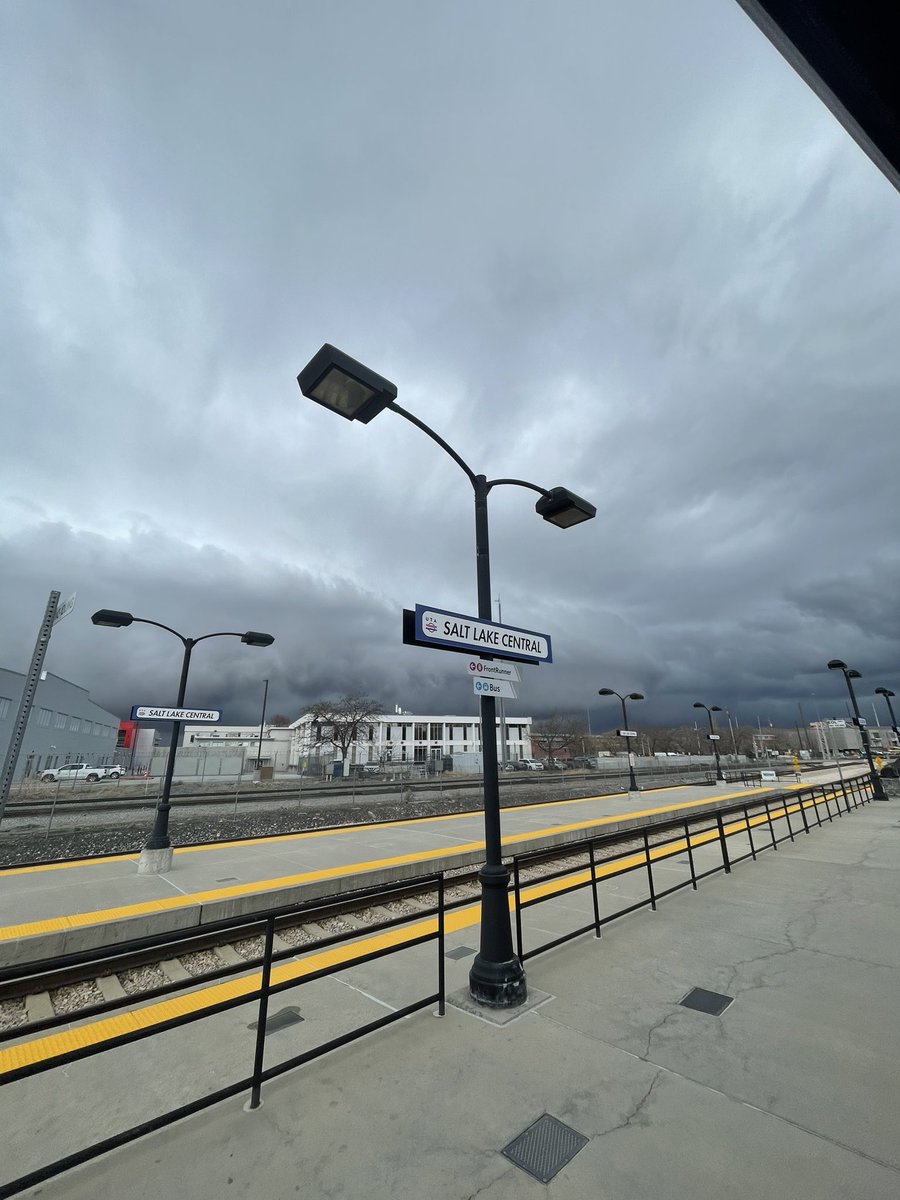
(611, 856)
(259, 990)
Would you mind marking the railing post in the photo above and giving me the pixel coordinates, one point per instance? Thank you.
(828, 811)
(597, 932)
(517, 893)
(263, 1014)
(726, 861)
(649, 871)
(749, 834)
(787, 817)
(844, 794)
(440, 944)
(771, 826)
(803, 815)
(690, 852)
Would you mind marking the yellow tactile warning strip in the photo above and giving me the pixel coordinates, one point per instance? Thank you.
(260, 886)
(107, 1029)
(305, 834)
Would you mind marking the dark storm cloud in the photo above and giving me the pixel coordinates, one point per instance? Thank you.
(629, 253)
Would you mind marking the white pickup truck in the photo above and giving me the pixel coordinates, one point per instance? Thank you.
(80, 771)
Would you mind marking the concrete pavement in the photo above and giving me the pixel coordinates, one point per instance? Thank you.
(791, 1091)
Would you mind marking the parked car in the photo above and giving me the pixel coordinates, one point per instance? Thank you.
(529, 764)
(85, 771)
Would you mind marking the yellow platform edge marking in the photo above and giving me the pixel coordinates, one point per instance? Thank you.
(261, 886)
(105, 1029)
(132, 856)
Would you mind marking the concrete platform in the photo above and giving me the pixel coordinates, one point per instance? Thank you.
(47, 911)
(791, 1091)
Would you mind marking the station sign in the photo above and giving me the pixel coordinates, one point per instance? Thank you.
(499, 688)
(627, 732)
(484, 668)
(713, 737)
(147, 712)
(860, 722)
(443, 630)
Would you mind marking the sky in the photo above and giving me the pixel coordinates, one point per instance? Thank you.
(618, 247)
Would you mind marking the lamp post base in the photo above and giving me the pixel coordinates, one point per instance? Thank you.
(497, 978)
(155, 862)
(497, 984)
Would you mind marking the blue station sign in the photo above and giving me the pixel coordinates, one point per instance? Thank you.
(454, 631)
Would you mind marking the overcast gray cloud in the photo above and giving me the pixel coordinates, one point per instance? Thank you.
(617, 247)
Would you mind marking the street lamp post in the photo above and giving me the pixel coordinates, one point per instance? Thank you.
(156, 854)
(713, 737)
(887, 693)
(632, 782)
(878, 792)
(262, 723)
(351, 389)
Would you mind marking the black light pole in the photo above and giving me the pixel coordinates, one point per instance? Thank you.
(887, 693)
(713, 737)
(878, 792)
(158, 840)
(262, 723)
(352, 390)
(632, 782)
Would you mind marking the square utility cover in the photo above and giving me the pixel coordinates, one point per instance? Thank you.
(545, 1147)
(713, 1003)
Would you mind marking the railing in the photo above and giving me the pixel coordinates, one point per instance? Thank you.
(259, 989)
(613, 855)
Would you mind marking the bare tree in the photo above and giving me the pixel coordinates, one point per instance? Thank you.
(280, 721)
(556, 734)
(343, 722)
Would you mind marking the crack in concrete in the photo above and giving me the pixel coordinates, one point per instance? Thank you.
(638, 1108)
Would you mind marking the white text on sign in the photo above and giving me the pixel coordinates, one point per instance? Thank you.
(479, 668)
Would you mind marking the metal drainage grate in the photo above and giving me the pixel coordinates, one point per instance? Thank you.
(713, 1003)
(280, 1020)
(459, 952)
(544, 1148)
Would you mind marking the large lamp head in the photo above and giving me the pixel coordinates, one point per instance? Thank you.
(250, 638)
(697, 704)
(851, 674)
(715, 708)
(561, 507)
(884, 692)
(606, 692)
(346, 386)
(635, 696)
(837, 665)
(111, 618)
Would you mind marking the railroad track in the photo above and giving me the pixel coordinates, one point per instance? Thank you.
(202, 958)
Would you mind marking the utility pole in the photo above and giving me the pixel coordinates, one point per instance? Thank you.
(31, 681)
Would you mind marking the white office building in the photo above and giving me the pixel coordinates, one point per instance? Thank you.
(273, 750)
(842, 737)
(401, 738)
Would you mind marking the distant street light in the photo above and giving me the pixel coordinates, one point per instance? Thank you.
(156, 854)
(713, 737)
(878, 792)
(632, 782)
(888, 694)
(351, 389)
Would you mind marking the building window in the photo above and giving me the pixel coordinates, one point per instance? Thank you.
(387, 733)
(88, 727)
(437, 732)
(421, 732)
(98, 729)
(419, 754)
(61, 719)
(4, 706)
(74, 724)
(44, 716)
